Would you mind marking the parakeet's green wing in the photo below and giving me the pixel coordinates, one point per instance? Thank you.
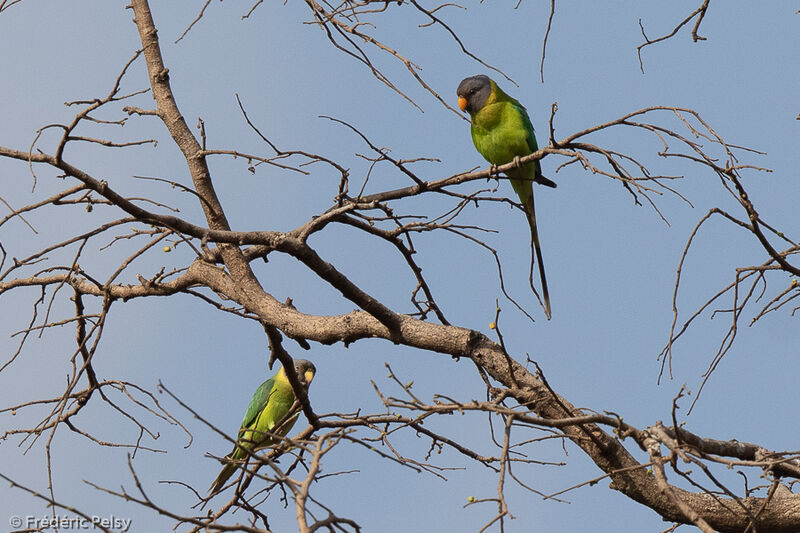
(258, 402)
(529, 172)
(532, 144)
(531, 138)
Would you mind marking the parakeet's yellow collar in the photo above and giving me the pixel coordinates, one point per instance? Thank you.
(306, 377)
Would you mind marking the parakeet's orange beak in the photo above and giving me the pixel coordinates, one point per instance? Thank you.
(309, 376)
(462, 103)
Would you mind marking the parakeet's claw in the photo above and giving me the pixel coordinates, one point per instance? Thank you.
(493, 173)
(516, 161)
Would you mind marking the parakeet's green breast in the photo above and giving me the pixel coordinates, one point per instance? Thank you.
(500, 133)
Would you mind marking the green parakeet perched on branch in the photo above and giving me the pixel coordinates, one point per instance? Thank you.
(265, 421)
(502, 132)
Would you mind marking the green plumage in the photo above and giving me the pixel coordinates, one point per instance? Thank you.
(502, 131)
(265, 422)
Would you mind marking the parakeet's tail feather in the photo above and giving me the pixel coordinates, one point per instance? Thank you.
(227, 472)
(541, 180)
(536, 256)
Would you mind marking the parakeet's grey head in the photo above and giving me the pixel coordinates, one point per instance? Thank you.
(473, 92)
(305, 371)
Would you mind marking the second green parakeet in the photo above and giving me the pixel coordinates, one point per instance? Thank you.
(263, 424)
(502, 131)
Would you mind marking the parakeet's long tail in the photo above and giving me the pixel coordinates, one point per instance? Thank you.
(536, 256)
(227, 472)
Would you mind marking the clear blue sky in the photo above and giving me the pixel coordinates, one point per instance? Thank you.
(611, 264)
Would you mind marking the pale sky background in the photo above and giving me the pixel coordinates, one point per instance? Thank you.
(611, 265)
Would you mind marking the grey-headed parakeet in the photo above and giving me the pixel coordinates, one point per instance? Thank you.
(502, 131)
